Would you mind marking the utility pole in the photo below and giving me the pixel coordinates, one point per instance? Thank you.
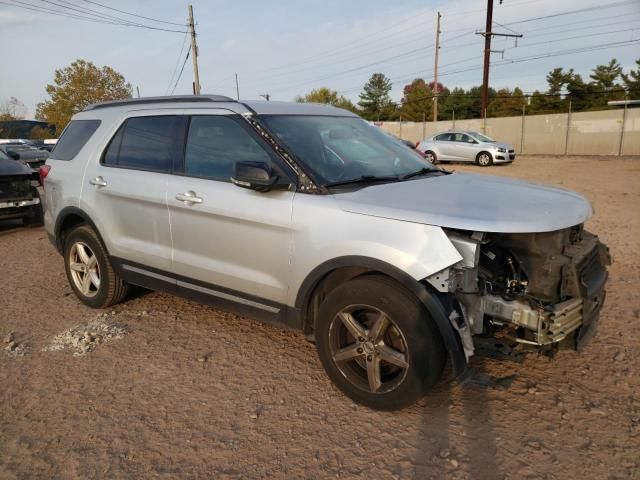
(487, 57)
(194, 53)
(237, 88)
(484, 95)
(138, 90)
(435, 72)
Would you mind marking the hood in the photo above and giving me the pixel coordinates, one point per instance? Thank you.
(13, 167)
(471, 202)
(501, 145)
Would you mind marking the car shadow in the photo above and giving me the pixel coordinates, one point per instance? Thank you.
(457, 425)
(8, 226)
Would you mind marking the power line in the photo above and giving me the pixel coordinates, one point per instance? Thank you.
(127, 23)
(175, 70)
(134, 15)
(181, 70)
(508, 62)
(48, 11)
(82, 15)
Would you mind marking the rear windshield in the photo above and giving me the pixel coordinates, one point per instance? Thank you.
(74, 137)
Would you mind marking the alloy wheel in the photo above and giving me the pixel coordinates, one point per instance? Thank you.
(368, 348)
(84, 269)
(484, 159)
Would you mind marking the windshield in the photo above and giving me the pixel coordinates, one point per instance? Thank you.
(340, 149)
(482, 138)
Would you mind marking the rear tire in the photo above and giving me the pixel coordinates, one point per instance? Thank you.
(431, 156)
(89, 270)
(378, 343)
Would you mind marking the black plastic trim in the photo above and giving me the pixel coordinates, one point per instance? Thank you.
(171, 99)
(62, 216)
(170, 284)
(432, 304)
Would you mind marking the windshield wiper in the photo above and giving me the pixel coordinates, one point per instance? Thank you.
(422, 171)
(364, 179)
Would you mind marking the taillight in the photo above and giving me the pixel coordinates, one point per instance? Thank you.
(43, 172)
(417, 143)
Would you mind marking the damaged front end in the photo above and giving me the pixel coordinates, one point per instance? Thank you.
(522, 292)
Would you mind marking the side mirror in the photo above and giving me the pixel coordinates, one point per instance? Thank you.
(257, 176)
(14, 155)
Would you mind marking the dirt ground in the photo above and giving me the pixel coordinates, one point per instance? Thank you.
(162, 387)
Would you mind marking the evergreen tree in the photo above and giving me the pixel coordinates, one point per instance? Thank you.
(375, 101)
(632, 81)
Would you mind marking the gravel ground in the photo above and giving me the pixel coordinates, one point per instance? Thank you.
(160, 387)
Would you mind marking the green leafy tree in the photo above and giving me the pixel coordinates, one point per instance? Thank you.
(455, 103)
(76, 86)
(632, 81)
(331, 97)
(375, 102)
(605, 80)
(506, 103)
(417, 102)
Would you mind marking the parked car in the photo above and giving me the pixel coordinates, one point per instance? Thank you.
(305, 216)
(19, 197)
(25, 153)
(458, 146)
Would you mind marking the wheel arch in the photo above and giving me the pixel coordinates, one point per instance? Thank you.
(325, 277)
(68, 218)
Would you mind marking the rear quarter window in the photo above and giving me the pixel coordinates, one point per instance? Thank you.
(74, 137)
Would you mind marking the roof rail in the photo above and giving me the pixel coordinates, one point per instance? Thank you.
(169, 99)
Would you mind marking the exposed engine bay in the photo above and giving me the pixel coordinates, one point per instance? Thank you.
(529, 291)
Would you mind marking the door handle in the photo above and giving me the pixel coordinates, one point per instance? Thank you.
(189, 197)
(98, 182)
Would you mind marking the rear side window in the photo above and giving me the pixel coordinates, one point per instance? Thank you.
(146, 143)
(215, 143)
(444, 137)
(74, 137)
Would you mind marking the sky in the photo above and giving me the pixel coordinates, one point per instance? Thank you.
(286, 48)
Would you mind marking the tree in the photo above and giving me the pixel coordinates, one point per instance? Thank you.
(506, 103)
(41, 133)
(12, 109)
(605, 76)
(632, 81)
(375, 101)
(331, 97)
(75, 87)
(417, 102)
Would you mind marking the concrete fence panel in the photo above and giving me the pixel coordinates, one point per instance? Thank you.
(607, 132)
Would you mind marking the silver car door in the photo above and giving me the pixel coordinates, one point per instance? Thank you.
(126, 186)
(228, 241)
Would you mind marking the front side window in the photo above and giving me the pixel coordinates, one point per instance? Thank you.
(74, 137)
(463, 138)
(339, 149)
(215, 143)
(146, 143)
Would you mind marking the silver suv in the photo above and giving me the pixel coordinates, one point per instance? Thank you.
(458, 146)
(306, 216)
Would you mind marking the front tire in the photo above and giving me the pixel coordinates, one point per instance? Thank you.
(378, 343)
(89, 271)
(484, 159)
